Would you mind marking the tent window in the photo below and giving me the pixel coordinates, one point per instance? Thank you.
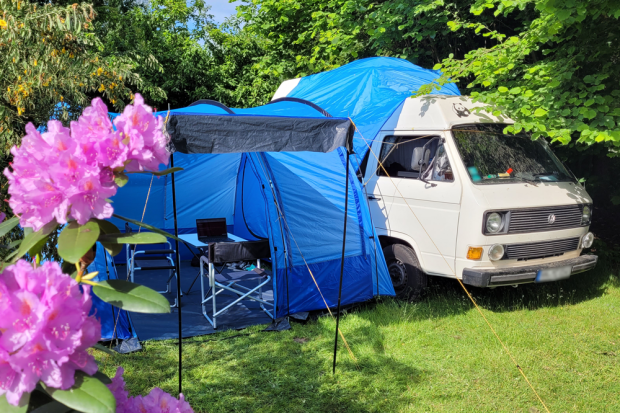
(403, 157)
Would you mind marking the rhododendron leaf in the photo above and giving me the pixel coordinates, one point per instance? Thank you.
(158, 173)
(8, 225)
(13, 244)
(112, 248)
(147, 226)
(36, 248)
(7, 407)
(131, 297)
(32, 239)
(76, 240)
(121, 179)
(133, 238)
(106, 226)
(103, 348)
(88, 395)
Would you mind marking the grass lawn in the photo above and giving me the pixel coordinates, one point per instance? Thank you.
(436, 355)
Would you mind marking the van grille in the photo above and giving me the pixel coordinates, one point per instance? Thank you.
(537, 219)
(540, 249)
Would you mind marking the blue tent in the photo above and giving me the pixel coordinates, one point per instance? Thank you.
(295, 199)
(260, 169)
(115, 323)
(368, 91)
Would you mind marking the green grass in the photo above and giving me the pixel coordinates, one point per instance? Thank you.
(436, 355)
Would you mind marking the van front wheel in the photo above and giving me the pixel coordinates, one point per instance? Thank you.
(408, 279)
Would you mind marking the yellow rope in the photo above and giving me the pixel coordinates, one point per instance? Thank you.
(453, 273)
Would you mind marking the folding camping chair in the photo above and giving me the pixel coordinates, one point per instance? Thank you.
(223, 252)
(157, 259)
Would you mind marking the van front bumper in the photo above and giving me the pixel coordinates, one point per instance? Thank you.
(519, 275)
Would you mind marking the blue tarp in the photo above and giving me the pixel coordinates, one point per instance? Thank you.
(368, 91)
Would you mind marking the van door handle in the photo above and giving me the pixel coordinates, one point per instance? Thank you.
(373, 198)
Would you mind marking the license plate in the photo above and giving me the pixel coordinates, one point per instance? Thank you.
(553, 274)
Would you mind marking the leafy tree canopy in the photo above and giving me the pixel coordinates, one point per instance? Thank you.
(165, 39)
(49, 55)
(558, 76)
(550, 65)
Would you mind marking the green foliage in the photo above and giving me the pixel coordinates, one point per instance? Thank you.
(32, 242)
(88, 395)
(557, 76)
(76, 240)
(131, 297)
(132, 238)
(239, 80)
(8, 225)
(158, 173)
(163, 38)
(308, 36)
(148, 226)
(49, 54)
(6, 407)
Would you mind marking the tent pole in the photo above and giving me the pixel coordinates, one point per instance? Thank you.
(178, 270)
(344, 242)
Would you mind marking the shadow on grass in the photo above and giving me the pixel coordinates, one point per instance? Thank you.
(445, 297)
(289, 371)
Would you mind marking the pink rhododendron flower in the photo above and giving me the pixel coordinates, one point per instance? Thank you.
(157, 401)
(45, 329)
(67, 173)
(144, 136)
(117, 387)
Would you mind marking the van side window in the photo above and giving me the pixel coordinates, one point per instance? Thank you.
(441, 169)
(402, 157)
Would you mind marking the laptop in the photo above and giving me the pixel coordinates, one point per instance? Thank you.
(212, 230)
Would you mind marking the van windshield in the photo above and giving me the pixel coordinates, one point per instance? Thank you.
(492, 157)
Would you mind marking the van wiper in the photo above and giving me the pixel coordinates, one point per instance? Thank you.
(529, 181)
(545, 174)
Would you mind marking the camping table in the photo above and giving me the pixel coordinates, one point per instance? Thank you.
(192, 239)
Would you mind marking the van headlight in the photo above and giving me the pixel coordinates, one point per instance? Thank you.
(496, 252)
(587, 240)
(586, 215)
(494, 223)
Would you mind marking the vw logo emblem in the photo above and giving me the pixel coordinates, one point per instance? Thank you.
(551, 219)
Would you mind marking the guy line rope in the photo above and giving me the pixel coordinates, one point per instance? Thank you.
(453, 272)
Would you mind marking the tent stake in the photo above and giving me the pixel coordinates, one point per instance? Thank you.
(178, 270)
(344, 242)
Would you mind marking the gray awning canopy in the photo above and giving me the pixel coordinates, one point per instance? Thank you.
(268, 129)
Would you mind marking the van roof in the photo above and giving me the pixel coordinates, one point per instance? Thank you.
(439, 112)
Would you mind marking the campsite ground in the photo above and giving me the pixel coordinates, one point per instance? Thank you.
(434, 355)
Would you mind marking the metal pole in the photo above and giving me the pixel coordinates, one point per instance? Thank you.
(344, 242)
(178, 270)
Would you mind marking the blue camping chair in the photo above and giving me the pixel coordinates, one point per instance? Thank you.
(153, 260)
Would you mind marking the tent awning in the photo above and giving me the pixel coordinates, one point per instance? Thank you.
(278, 127)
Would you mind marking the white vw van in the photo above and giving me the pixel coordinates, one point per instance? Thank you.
(453, 196)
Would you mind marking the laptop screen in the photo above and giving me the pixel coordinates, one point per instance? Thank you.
(214, 227)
